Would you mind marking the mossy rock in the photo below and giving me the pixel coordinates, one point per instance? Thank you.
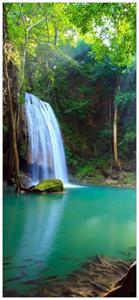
(48, 186)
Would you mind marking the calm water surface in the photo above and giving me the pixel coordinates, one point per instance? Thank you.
(52, 235)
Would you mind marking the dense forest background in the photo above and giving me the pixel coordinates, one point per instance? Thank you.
(81, 59)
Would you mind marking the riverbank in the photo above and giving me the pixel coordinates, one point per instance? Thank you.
(102, 177)
(102, 172)
(124, 179)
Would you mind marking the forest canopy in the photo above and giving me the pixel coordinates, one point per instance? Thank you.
(81, 58)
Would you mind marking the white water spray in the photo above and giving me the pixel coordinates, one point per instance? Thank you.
(46, 156)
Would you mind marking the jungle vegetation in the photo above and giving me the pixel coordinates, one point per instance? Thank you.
(81, 58)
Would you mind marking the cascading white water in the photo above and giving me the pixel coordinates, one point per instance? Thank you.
(46, 156)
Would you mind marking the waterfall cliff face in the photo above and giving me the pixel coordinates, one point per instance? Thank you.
(46, 157)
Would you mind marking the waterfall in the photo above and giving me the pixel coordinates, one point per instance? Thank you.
(46, 157)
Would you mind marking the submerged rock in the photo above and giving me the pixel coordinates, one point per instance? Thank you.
(99, 277)
(93, 279)
(48, 186)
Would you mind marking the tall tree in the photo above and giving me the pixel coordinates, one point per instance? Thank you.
(7, 47)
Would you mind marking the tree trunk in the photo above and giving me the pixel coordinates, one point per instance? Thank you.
(115, 140)
(110, 124)
(11, 119)
(115, 146)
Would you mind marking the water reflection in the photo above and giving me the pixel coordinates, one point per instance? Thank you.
(34, 226)
(42, 224)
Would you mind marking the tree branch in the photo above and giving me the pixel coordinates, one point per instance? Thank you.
(25, 48)
(22, 16)
(48, 35)
(55, 36)
(37, 23)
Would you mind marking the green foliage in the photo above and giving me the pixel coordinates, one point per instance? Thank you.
(72, 159)
(78, 108)
(127, 143)
(109, 27)
(85, 169)
(72, 145)
(128, 178)
(129, 137)
(93, 167)
(123, 98)
(73, 60)
(22, 99)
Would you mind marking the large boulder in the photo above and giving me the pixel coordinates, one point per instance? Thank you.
(48, 186)
(25, 180)
(126, 287)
